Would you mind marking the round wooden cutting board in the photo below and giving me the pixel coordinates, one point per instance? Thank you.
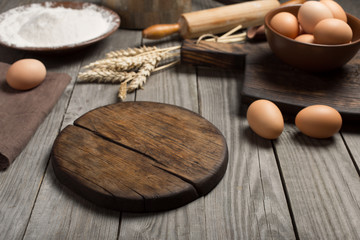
(140, 156)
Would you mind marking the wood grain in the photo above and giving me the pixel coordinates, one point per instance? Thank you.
(222, 19)
(292, 89)
(253, 201)
(140, 157)
(349, 133)
(20, 184)
(322, 184)
(177, 86)
(58, 212)
(213, 54)
(93, 165)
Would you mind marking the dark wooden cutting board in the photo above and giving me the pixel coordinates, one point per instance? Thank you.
(292, 89)
(140, 156)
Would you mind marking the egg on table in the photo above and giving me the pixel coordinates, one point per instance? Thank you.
(26, 74)
(318, 121)
(265, 119)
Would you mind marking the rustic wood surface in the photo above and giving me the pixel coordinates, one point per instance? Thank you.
(295, 187)
(213, 54)
(293, 89)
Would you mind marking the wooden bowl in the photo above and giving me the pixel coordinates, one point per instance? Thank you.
(311, 57)
(113, 17)
(140, 14)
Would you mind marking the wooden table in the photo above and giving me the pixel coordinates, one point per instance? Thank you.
(294, 187)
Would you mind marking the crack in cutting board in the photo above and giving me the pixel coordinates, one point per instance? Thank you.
(140, 156)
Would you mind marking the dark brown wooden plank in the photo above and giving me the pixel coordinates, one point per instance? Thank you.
(213, 54)
(292, 89)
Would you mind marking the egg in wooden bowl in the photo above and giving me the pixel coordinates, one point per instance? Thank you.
(311, 55)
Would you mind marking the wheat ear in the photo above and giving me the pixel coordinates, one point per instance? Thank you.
(130, 52)
(105, 76)
(122, 91)
(140, 79)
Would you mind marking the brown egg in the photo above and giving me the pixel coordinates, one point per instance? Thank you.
(265, 119)
(312, 12)
(332, 31)
(305, 38)
(286, 24)
(337, 11)
(26, 74)
(318, 121)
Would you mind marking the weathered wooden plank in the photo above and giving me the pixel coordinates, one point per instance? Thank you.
(321, 178)
(136, 227)
(20, 183)
(322, 184)
(351, 135)
(176, 86)
(249, 203)
(22, 180)
(58, 212)
(205, 4)
(213, 54)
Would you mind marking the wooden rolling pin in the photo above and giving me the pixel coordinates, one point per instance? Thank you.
(214, 20)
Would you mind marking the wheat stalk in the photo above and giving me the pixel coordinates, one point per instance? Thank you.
(117, 64)
(145, 71)
(130, 52)
(122, 91)
(105, 76)
(126, 63)
(132, 66)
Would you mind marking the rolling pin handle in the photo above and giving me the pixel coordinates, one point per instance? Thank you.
(158, 31)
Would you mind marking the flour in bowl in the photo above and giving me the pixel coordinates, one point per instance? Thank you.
(48, 26)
